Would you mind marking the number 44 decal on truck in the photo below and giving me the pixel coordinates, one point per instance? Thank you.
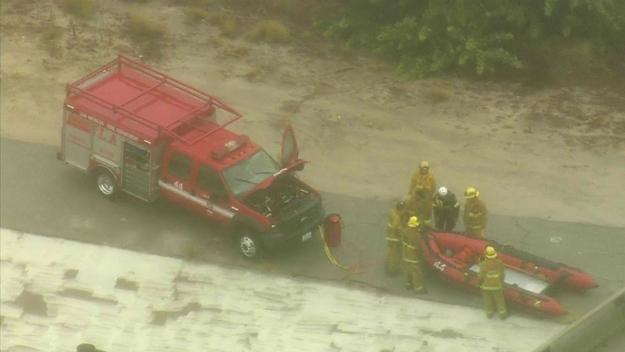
(440, 265)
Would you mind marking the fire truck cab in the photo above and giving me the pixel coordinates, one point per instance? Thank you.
(141, 132)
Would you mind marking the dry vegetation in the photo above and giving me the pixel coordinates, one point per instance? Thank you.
(270, 31)
(51, 40)
(193, 3)
(196, 15)
(226, 23)
(79, 8)
(436, 96)
(240, 18)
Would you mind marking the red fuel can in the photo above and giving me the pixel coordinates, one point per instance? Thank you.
(332, 227)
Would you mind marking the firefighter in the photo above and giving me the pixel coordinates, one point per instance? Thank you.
(422, 188)
(491, 280)
(393, 238)
(475, 214)
(411, 255)
(446, 209)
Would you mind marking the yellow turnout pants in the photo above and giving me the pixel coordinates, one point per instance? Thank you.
(393, 256)
(494, 300)
(413, 275)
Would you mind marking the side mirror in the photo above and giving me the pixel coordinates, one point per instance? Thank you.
(297, 165)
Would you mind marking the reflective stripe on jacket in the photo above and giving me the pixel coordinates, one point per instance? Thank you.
(492, 274)
(421, 183)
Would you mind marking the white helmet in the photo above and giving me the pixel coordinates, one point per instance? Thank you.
(442, 191)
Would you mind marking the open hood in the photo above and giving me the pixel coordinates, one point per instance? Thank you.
(289, 153)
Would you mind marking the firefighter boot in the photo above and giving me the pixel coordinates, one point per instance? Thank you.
(500, 304)
(407, 276)
(417, 280)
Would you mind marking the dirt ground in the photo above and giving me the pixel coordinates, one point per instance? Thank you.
(553, 153)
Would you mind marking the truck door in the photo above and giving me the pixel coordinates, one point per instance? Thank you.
(175, 182)
(210, 187)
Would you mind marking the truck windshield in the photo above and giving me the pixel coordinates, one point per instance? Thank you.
(248, 173)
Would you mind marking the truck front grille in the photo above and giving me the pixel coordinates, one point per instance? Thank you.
(307, 216)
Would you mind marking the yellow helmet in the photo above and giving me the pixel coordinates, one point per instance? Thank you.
(471, 192)
(490, 252)
(413, 221)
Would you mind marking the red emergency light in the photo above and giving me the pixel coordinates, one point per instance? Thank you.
(230, 146)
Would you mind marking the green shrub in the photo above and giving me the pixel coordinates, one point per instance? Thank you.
(147, 34)
(143, 28)
(571, 60)
(478, 36)
(79, 8)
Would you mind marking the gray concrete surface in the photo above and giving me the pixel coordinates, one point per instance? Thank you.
(54, 295)
(42, 195)
(595, 330)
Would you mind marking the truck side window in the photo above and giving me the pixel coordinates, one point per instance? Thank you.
(136, 156)
(180, 166)
(209, 181)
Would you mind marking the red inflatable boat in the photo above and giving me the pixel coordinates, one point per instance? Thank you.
(455, 258)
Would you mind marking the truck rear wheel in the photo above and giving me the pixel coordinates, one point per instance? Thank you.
(249, 245)
(106, 184)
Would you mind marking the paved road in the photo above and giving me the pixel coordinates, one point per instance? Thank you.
(44, 196)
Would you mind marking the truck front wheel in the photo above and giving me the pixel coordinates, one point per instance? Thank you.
(106, 184)
(249, 246)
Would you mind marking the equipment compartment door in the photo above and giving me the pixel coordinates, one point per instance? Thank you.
(77, 140)
(136, 178)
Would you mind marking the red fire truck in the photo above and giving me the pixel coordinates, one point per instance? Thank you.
(142, 132)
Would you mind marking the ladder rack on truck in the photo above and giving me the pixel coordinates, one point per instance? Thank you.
(119, 118)
(145, 103)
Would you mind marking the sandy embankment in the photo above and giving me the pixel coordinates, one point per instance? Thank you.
(556, 154)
